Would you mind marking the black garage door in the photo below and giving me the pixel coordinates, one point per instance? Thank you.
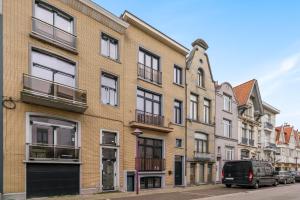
(52, 179)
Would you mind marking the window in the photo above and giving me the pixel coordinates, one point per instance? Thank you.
(148, 65)
(148, 102)
(109, 91)
(53, 138)
(244, 153)
(200, 79)
(177, 75)
(109, 47)
(109, 138)
(244, 131)
(52, 68)
(178, 112)
(150, 182)
(251, 133)
(229, 153)
(268, 137)
(194, 107)
(201, 143)
(178, 143)
(227, 102)
(53, 16)
(150, 148)
(227, 128)
(206, 111)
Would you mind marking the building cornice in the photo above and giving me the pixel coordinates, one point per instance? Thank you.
(142, 25)
(98, 13)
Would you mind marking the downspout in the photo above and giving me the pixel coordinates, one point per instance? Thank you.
(1, 98)
(185, 114)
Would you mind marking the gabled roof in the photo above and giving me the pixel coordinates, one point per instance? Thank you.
(243, 92)
(287, 131)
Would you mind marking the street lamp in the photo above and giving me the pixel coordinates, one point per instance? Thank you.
(137, 132)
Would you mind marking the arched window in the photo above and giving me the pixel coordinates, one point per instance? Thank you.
(200, 77)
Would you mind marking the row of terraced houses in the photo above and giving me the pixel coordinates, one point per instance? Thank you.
(92, 102)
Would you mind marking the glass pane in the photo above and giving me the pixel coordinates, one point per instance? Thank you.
(104, 47)
(148, 106)
(140, 103)
(43, 14)
(149, 152)
(108, 154)
(63, 23)
(42, 73)
(109, 138)
(156, 108)
(43, 59)
(140, 92)
(113, 50)
(42, 134)
(154, 63)
(65, 80)
(148, 61)
(141, 57)
(113, 97)
(65, 136)
(108, 81)
(64, 66)
(104, 95)
(156, 97)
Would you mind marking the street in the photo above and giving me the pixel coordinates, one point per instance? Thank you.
(288, 192)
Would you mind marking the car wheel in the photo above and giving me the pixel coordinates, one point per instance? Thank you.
(285, 182)
(228, 185)
(275, 183)
(256, 185)
(294, 181)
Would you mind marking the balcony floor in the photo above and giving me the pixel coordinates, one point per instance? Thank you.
(134, 124)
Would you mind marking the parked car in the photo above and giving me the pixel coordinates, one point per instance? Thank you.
(297, 176)
(285, 177)
(248, 173)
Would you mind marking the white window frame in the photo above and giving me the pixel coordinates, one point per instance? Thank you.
(227, 102)
(109, 41)
(227, 128)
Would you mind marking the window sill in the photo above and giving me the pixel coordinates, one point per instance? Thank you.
(202, 88)
(229, 112)
(114, 60)
(175, 124)
(179, 85)
(153, 83)
(179, 147)
(109, 105)
(53, 42)
(53, 162)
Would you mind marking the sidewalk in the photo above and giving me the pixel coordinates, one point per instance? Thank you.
(113, 195)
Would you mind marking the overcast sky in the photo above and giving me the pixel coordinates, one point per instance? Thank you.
(247, 39)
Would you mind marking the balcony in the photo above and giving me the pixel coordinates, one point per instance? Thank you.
(268, 125)
(251, 142)
(51, 94)
(149, 121)
(149, 74)
(201, 156)
(53, 152)
(270, 147)
(46, 31)
(245, 141)
(151, 164)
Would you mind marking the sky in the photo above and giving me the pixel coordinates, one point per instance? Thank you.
(247, 39)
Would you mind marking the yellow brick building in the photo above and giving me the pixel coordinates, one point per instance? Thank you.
(77, 82)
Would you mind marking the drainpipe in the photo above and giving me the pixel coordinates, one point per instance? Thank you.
(1, 97)
(185, 117)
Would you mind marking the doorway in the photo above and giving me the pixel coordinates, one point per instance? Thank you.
(178, 170)
(192, 174)
(109, 166)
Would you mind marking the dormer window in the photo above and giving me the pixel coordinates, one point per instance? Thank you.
(200, 78)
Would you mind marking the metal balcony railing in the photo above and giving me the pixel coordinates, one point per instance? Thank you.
(149, 118)
(51, 89)
(54, 33)
(268, 125)
(203, 156)
(149, 74)
(244, 140)
(52, 152)
(151, 164)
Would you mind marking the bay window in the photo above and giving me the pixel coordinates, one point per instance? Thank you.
(201, 143)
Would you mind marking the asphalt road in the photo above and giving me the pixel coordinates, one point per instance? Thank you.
(281, 192)
(288, 192)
